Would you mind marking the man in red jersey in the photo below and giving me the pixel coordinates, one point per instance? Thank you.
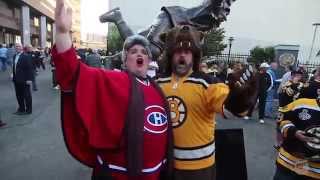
(115, 122)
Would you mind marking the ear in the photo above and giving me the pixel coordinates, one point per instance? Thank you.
(163, 37)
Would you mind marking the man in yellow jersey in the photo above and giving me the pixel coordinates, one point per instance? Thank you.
(194, 101)
(299, 154)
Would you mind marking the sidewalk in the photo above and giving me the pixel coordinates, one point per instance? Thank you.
(40, 99)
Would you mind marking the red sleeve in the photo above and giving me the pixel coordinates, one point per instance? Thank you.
(100, 99)
(66, 67)
(102, 103)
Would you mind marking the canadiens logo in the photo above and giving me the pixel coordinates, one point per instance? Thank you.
(304, 115)
(156, 120)
(178, 110)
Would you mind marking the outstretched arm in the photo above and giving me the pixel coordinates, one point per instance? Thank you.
(63, 55)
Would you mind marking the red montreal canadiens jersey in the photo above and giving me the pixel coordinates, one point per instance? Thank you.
(155, 139)
(94, 108)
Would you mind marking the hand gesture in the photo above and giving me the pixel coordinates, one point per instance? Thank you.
(63, 22)
(63, 17)
(243, 91)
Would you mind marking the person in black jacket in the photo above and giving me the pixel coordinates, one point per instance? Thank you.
(264, 84)
(22, 69)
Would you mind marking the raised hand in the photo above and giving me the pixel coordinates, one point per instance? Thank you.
(63, 21)
(63, 17)
(243, 91)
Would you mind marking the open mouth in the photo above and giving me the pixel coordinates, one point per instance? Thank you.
(181, 62)
(139, 61)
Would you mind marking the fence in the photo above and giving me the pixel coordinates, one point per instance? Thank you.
(309, 66)
(225, 58)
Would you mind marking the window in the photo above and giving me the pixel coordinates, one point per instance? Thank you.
(49, 27)
(36, 21)
(18, 39)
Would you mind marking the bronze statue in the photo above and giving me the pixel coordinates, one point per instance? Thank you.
(204, 17)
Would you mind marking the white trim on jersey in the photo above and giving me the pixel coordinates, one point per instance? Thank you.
(120, 168)
(286, 126)
(198, 80)
(194, 153)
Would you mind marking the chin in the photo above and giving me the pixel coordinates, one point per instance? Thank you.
(181, 73)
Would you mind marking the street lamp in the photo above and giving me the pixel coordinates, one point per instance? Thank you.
(231, 39)
(314, 38)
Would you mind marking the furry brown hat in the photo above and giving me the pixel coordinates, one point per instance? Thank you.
(182, 37)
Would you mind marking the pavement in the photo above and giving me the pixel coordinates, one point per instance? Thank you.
(32, 146)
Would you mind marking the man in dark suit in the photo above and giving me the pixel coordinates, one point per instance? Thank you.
(22, 70)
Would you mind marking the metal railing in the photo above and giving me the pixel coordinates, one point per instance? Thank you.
(242, 58)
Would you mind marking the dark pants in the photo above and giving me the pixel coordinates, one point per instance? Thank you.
(285, 174)
(42, 64)
(201, 174)
(4, 63)
(34, 82)
(54, 80)
(262, 104)
(24, 97)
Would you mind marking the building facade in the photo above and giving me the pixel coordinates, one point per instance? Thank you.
(32, 22)
(94, 41)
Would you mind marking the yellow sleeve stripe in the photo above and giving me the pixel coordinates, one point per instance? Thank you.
(301, 103)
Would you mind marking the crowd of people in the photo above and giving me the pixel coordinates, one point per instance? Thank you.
(291, 90)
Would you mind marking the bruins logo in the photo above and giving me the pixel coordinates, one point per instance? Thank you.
(178, 110)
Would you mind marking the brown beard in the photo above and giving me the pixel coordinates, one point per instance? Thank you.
(176, 71)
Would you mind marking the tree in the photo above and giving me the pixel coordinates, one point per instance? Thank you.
(270, 53)
(259, 54)
(114, 40)
(213, 42)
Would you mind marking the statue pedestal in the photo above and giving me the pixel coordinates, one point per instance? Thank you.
(230, 154)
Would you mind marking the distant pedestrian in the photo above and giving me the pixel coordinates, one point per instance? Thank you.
(22, 69)
(29, 50)
(3, 57)
(10, 53)
(269, 111)
(54, 80)
(264, 84)
(93, 59)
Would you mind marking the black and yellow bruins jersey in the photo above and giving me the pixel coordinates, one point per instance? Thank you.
(289, 93)
(295, 155)
(311, 89)
(194, 100)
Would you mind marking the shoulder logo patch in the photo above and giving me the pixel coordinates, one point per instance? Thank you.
(304, 115)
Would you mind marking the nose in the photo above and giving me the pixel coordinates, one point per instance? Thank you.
(185, 28)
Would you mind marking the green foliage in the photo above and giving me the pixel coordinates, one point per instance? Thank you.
(259, 54)
(213, 42)
(114, 40)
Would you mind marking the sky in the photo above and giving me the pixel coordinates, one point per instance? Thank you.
(90, 12)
